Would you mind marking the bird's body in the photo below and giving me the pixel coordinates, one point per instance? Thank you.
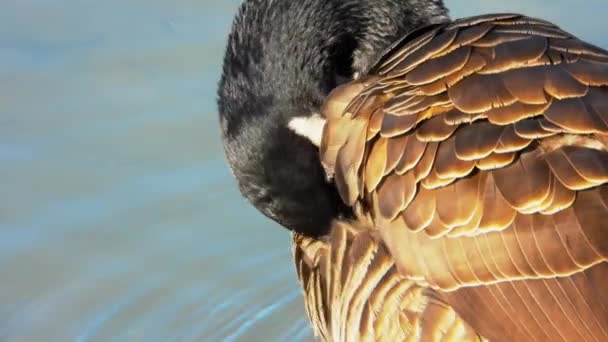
(470, 169)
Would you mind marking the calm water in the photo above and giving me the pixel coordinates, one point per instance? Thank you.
(119, 219)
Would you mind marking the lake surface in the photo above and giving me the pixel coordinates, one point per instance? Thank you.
(119, 219)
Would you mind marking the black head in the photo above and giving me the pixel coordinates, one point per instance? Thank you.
(283, 57)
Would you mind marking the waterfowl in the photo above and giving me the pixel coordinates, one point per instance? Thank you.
(443, 180)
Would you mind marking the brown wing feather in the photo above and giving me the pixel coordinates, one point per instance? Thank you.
(499, 195)
(354, 292)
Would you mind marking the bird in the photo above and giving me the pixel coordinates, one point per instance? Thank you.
(443, 179)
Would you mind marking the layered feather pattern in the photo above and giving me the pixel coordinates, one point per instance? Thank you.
(475, 152)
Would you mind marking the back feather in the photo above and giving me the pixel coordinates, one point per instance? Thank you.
(477, 151)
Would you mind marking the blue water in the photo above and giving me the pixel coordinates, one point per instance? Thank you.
(119, 219)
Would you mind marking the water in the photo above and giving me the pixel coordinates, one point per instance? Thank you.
(119, 219)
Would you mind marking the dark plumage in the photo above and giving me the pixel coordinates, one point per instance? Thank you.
(282, 59)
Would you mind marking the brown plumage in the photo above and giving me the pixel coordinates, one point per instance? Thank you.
(475, 157)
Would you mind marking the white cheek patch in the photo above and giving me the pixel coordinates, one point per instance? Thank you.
(310, 127)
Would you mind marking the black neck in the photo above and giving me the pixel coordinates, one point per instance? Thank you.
(283, 57)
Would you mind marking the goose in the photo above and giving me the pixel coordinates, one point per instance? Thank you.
(443, 180)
